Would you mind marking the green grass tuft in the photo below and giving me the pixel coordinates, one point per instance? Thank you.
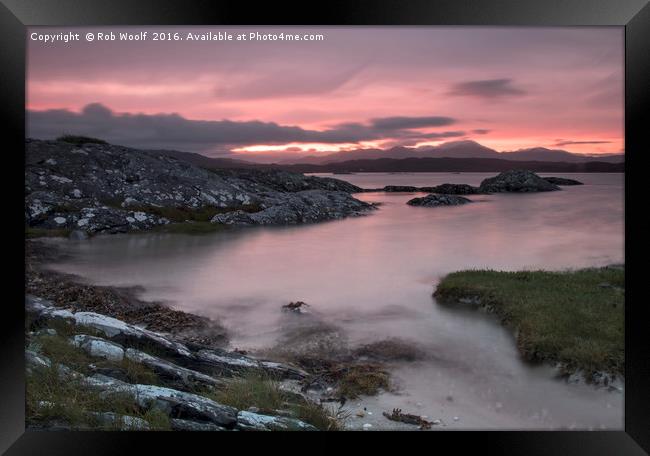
(264, 392)
(573, 317)
(363, 379)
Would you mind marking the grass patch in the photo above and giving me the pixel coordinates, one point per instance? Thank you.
(51, 397)
(80, 140)
(573, 317)
(31, 232)
(363, 379)
(252, 391)
(183, 214)
(59, 350)
(263, 392)
(157, 420)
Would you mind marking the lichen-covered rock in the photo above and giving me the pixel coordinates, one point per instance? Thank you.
(36, 360)
(250, 421)
(434, 200)
(188, 366)
(178, 404)
(187, 425)
(298, 207)
(229, 364)
(121, 422)
(452, 189)
(519, 181)
(171, 372)
(119, 331)
(103, 188)
(98, 347)
(263, 180)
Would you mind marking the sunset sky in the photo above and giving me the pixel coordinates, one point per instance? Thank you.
(507, 88)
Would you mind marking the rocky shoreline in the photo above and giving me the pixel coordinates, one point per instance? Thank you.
(174, 370)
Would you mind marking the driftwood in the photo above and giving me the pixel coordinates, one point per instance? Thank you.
(408, 418)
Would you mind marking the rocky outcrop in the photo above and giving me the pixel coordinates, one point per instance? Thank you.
(295, 208)
(187, 366)
(434, 200)
(103, 188)
(400, 188)
(561, 181)
(178, 404)
(180, 394)
(263, 180)
(447, 189)
(452, 189)
(518, 181)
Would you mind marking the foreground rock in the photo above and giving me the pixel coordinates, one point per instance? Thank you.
(182, 397)
(118, 334)
(103, 188)
(178, 404)
(518, 181)
(452, 189)
(249, 421)
(438, 200)
(562, 181)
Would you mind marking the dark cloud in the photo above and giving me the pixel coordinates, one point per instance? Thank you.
(398, 123)
(568, 143)
(481, 131)
(487, 88)
(172, 131)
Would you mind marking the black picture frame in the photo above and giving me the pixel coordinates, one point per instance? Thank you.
(634, 15)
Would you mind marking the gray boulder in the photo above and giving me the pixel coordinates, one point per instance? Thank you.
(438, 200)
(170, 372)
(187, 425)
(250, 421)
(98, 347)
(178, 404)
(519, 181)
(230, 364)
(121, 422)
(121, 332)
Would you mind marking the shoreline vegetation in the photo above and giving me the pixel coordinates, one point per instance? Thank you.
(573, 319)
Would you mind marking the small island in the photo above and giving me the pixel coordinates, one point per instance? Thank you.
(574, 319)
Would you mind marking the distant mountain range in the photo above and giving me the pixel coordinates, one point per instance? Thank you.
(456, 149)
(456, 156)
(428, 164)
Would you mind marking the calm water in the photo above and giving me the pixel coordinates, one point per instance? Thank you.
(373, 276)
